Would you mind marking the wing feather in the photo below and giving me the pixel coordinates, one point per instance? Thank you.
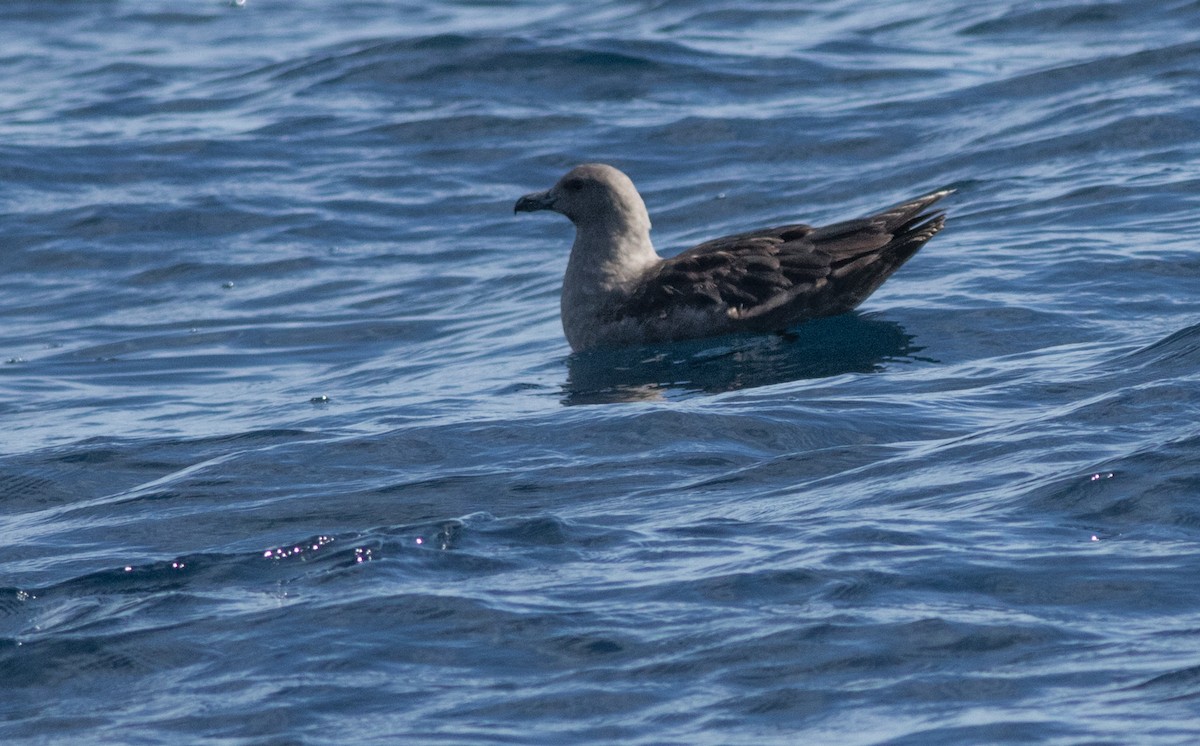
(790, 272)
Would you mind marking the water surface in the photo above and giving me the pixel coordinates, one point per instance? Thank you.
(294, 450)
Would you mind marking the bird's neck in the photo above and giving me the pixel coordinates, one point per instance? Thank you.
(610, 254)
(607, 262)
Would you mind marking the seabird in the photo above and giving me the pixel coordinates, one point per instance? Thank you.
(619, 292)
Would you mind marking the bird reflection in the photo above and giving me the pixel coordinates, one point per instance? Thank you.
(850, 343)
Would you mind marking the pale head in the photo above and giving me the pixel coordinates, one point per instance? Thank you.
(592, 194)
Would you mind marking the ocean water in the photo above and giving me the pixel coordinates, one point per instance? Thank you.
(294, 451)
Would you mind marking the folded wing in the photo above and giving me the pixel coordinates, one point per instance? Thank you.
(777, 276)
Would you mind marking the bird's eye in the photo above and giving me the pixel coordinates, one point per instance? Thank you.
(573, 185)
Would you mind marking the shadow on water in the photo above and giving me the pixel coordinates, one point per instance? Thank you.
(850, 343)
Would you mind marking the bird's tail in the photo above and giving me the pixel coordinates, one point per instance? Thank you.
(911, 225)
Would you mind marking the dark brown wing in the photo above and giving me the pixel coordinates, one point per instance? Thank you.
(777, 276)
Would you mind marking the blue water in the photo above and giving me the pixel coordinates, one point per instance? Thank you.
(293, 449)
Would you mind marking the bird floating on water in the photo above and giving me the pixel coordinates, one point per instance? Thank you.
(618, 292)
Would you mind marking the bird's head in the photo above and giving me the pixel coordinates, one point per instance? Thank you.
(591, 193)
